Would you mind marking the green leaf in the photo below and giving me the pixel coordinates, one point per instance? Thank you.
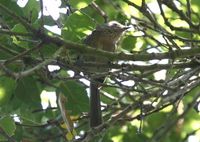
(7, 87)
(21, 29)
(196, 3)
(77, 26)
(28, 92)
(4, 55)
(183, 34)
(8, 126)
(77, 99)
(12, 6)
(79, 3)
(155, 120)
(31, 10)
(129, 43)
(48, 50)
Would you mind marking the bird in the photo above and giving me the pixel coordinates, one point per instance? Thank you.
(104, 37)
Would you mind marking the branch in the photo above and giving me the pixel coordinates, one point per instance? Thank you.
(26, 52)
(7, 32)
(26, 72)
(170, 124)
(84, 49)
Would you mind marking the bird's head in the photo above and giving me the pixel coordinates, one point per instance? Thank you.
(112, 30)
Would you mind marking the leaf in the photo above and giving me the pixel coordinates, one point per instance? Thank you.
(79, 3)
(7, 87)
(31, 10)
(196, 3)
(12, 6)
(129, 43)
(8, 126)
(28, 92)
(155, 120)
(77, 99)
(70, 135)
(77, 26)
(48, 50)
(4, 55)
(21, 29)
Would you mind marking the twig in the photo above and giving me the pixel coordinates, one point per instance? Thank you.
(37, 47)
(101, 12)
(42, 15)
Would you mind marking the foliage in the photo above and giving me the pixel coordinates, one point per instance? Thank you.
(151, 94)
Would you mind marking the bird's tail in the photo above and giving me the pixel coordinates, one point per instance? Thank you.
(95, 106)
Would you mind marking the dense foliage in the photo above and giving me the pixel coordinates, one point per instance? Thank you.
(151, 94)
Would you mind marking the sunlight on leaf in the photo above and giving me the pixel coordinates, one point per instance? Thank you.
(79, 3)
(7, 86)
(117, 138)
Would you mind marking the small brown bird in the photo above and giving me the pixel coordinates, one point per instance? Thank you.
(104, 37)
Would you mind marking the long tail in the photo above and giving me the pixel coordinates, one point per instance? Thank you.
(95, 106)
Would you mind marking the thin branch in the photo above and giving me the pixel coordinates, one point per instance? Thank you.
(42, 15)
(26, 72)
(8, 50)
(101, 12)
(169, 124)
(26, 52)
(7, 32)
(83, 49)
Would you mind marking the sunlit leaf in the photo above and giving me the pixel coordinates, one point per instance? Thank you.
(7, 87)
(77, 26)
(79, 3)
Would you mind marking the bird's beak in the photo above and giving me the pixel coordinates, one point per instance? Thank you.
(122, 29)
(126, 27)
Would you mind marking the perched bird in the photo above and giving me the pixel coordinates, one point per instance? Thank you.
(104, 37)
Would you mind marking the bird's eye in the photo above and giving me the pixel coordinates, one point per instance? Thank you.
(115, 25)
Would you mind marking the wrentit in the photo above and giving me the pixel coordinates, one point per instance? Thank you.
(104, 37)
